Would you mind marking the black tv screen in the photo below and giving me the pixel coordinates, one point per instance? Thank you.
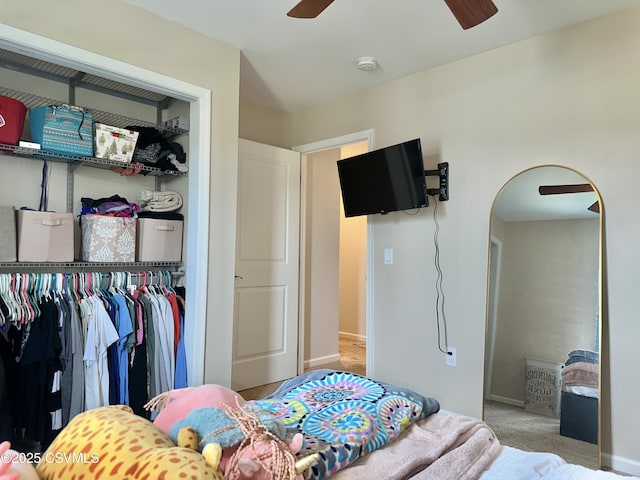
(385, 180)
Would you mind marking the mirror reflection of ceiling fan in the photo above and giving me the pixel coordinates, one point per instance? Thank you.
(469, 13)
(563, 189)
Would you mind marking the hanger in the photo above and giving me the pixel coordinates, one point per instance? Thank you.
(4, 282)
(29, 301)
(11, 301)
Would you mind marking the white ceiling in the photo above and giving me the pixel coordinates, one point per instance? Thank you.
(291, 64)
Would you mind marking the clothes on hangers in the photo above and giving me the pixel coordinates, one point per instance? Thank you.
(78, 341)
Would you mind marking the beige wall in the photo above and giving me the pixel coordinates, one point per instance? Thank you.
(548, 297)
(567, 98)
(264, 125)
(130, 35)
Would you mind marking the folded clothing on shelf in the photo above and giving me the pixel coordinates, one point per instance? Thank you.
(160, 201)
(582, 355)
(581, 373)
(115, 206)
(161, 215)
(153, 150)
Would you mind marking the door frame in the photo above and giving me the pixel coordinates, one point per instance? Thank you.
(305, 150)
(495, 262)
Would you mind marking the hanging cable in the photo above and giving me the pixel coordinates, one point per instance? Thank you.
(441, 318)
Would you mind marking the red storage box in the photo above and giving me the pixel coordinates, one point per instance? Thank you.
(12, 114)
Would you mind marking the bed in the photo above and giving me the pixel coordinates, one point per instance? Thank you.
(352, 428)
(430, 445)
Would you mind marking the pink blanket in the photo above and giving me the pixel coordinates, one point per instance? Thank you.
(581, 373)
(436, 448)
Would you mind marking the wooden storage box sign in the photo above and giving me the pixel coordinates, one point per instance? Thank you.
(62, 129)
(8, 251)
(159, 240)
(45, 236)
(113, 143)
(108, 239)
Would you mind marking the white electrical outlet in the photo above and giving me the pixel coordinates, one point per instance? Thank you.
(451, 357)
(388, 256)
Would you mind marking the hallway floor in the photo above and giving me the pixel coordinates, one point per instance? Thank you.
(353, 355)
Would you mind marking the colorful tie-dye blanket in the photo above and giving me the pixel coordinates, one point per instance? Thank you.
(344, 416)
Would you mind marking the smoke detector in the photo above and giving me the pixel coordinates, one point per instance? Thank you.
(367, 64)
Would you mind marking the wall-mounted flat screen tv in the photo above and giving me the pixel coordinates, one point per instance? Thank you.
(385, 180)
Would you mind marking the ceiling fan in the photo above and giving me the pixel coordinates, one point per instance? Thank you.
(469, 13)
(577, 188)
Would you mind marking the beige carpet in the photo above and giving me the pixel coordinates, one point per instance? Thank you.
(352, 359)
(528, 431)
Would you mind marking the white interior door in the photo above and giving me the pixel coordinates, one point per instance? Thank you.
(265, 337)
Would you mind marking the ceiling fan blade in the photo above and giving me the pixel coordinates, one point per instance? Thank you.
(309, 8)
(594, 207)
(560, 189)
(470, 13)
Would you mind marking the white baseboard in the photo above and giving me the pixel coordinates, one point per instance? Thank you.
(314, 362)
(508, 401)
(353, 336)
(621, 464)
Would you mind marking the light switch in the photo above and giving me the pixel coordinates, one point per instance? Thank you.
(388, 256)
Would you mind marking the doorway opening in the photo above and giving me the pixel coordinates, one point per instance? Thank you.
(334, 297)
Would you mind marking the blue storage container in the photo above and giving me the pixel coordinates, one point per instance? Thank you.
(62, 129)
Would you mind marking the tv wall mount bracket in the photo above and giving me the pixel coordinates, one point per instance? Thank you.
(443, 174)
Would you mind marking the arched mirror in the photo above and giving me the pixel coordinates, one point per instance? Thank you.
(542, 367)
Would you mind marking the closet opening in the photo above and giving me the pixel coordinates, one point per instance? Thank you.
(199, 99)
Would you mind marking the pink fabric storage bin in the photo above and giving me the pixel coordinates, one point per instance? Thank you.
(108, 239)
(45, 236)
(159, 240)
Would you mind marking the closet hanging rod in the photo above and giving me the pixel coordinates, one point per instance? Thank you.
(137, 266)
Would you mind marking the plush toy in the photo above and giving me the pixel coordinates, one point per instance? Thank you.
(113, 442)
(14, 466)
(214, 425)
(262, 455)
(176, 404)
(253, 442)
